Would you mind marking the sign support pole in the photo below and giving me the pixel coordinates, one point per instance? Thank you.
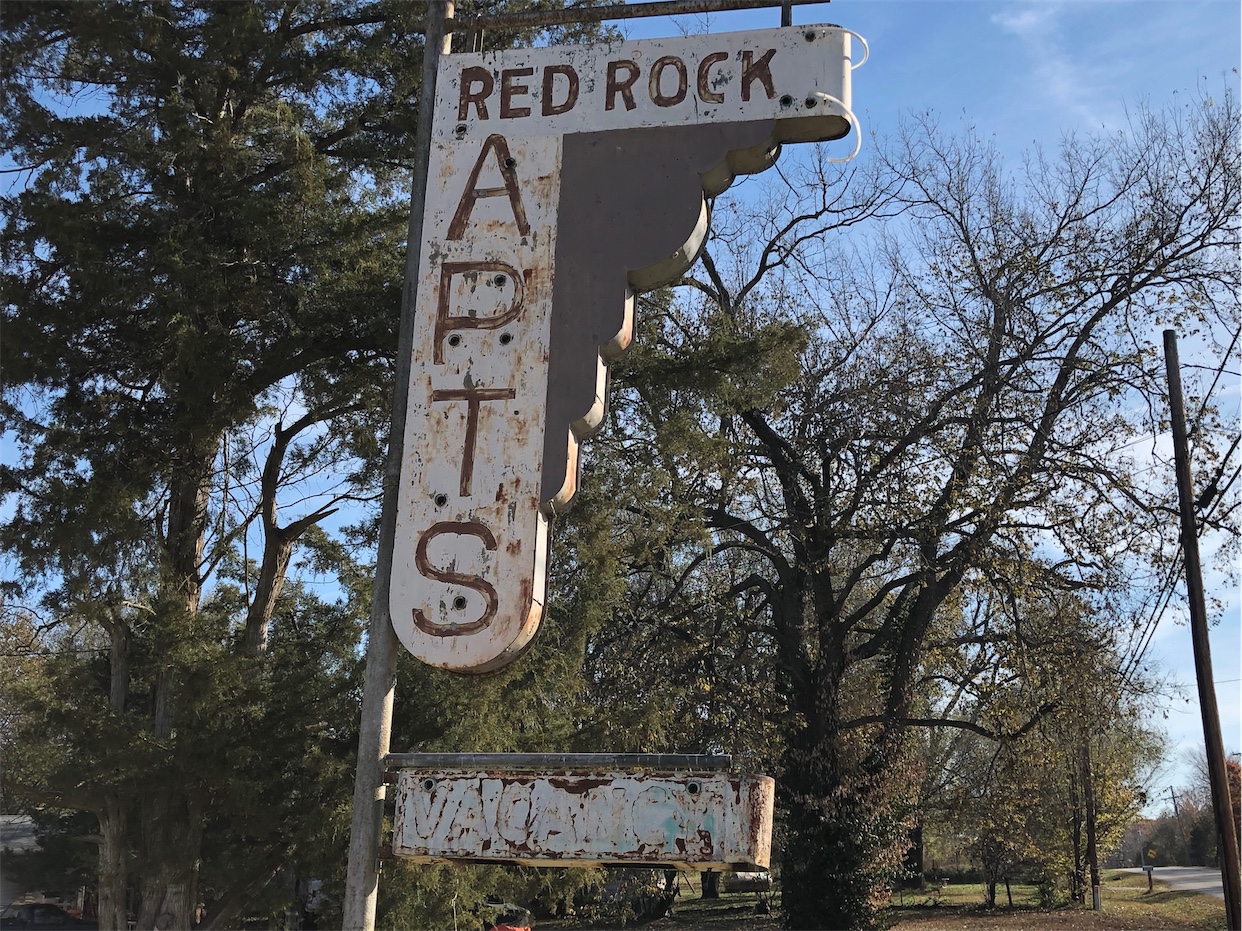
(375, 728)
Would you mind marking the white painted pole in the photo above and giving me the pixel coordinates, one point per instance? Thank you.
(375, 728)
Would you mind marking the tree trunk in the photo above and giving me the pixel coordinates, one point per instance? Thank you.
(172, 829)
(171, 834)
(118, 661)
(276, 555)
(1076, 877)
(912, 865)
(710, 885)
(1093, 863)
(843, 838)
(113, 863)
(277, 541)
(225, 910)
(113, 873)
(171, 817)
(669, 896)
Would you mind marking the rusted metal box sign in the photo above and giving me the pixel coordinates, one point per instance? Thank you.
(562, 181)
(683, 820)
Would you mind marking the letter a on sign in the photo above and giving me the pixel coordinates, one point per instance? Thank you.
(563, 181)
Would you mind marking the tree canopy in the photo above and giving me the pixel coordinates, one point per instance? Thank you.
(911, 389)
(867, 470)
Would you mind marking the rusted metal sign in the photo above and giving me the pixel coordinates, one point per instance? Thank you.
(562, 181)
(692, 821)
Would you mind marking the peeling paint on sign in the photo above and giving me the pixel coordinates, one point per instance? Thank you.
(686, 820)
(562, 182)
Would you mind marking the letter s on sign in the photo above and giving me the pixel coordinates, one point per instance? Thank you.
(473, 582)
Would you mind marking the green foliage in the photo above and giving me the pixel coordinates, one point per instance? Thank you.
(677, 657)
(269, 741)
(64, 860)
(196, 270)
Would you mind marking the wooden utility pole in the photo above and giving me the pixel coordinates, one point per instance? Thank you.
(1213, 744)
(1181, 828)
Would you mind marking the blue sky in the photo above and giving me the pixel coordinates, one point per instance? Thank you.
(1024, 72)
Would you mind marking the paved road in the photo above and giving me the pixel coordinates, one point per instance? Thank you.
(1202, 879)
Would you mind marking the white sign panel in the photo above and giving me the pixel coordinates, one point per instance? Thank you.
(562, 181)
(685, 821)
(793, 72)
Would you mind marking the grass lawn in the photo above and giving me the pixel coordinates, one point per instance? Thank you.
(1127, 906)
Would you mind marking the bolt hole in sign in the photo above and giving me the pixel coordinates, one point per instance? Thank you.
(562, 182)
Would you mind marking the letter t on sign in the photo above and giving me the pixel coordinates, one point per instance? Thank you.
(562, 182)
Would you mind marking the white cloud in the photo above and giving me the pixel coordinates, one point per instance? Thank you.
(1060, 74)
(1027, 21)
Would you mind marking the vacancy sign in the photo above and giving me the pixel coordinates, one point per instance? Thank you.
(687, 821)
(562, 182)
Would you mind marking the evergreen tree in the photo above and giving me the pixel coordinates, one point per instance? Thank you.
(197, 262)
(201, 256)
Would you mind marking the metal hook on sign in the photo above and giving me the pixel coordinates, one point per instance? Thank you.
(866, 48)
(845, 111)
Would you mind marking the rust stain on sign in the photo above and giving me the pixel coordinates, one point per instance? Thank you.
(563, 181)
(693, 821)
